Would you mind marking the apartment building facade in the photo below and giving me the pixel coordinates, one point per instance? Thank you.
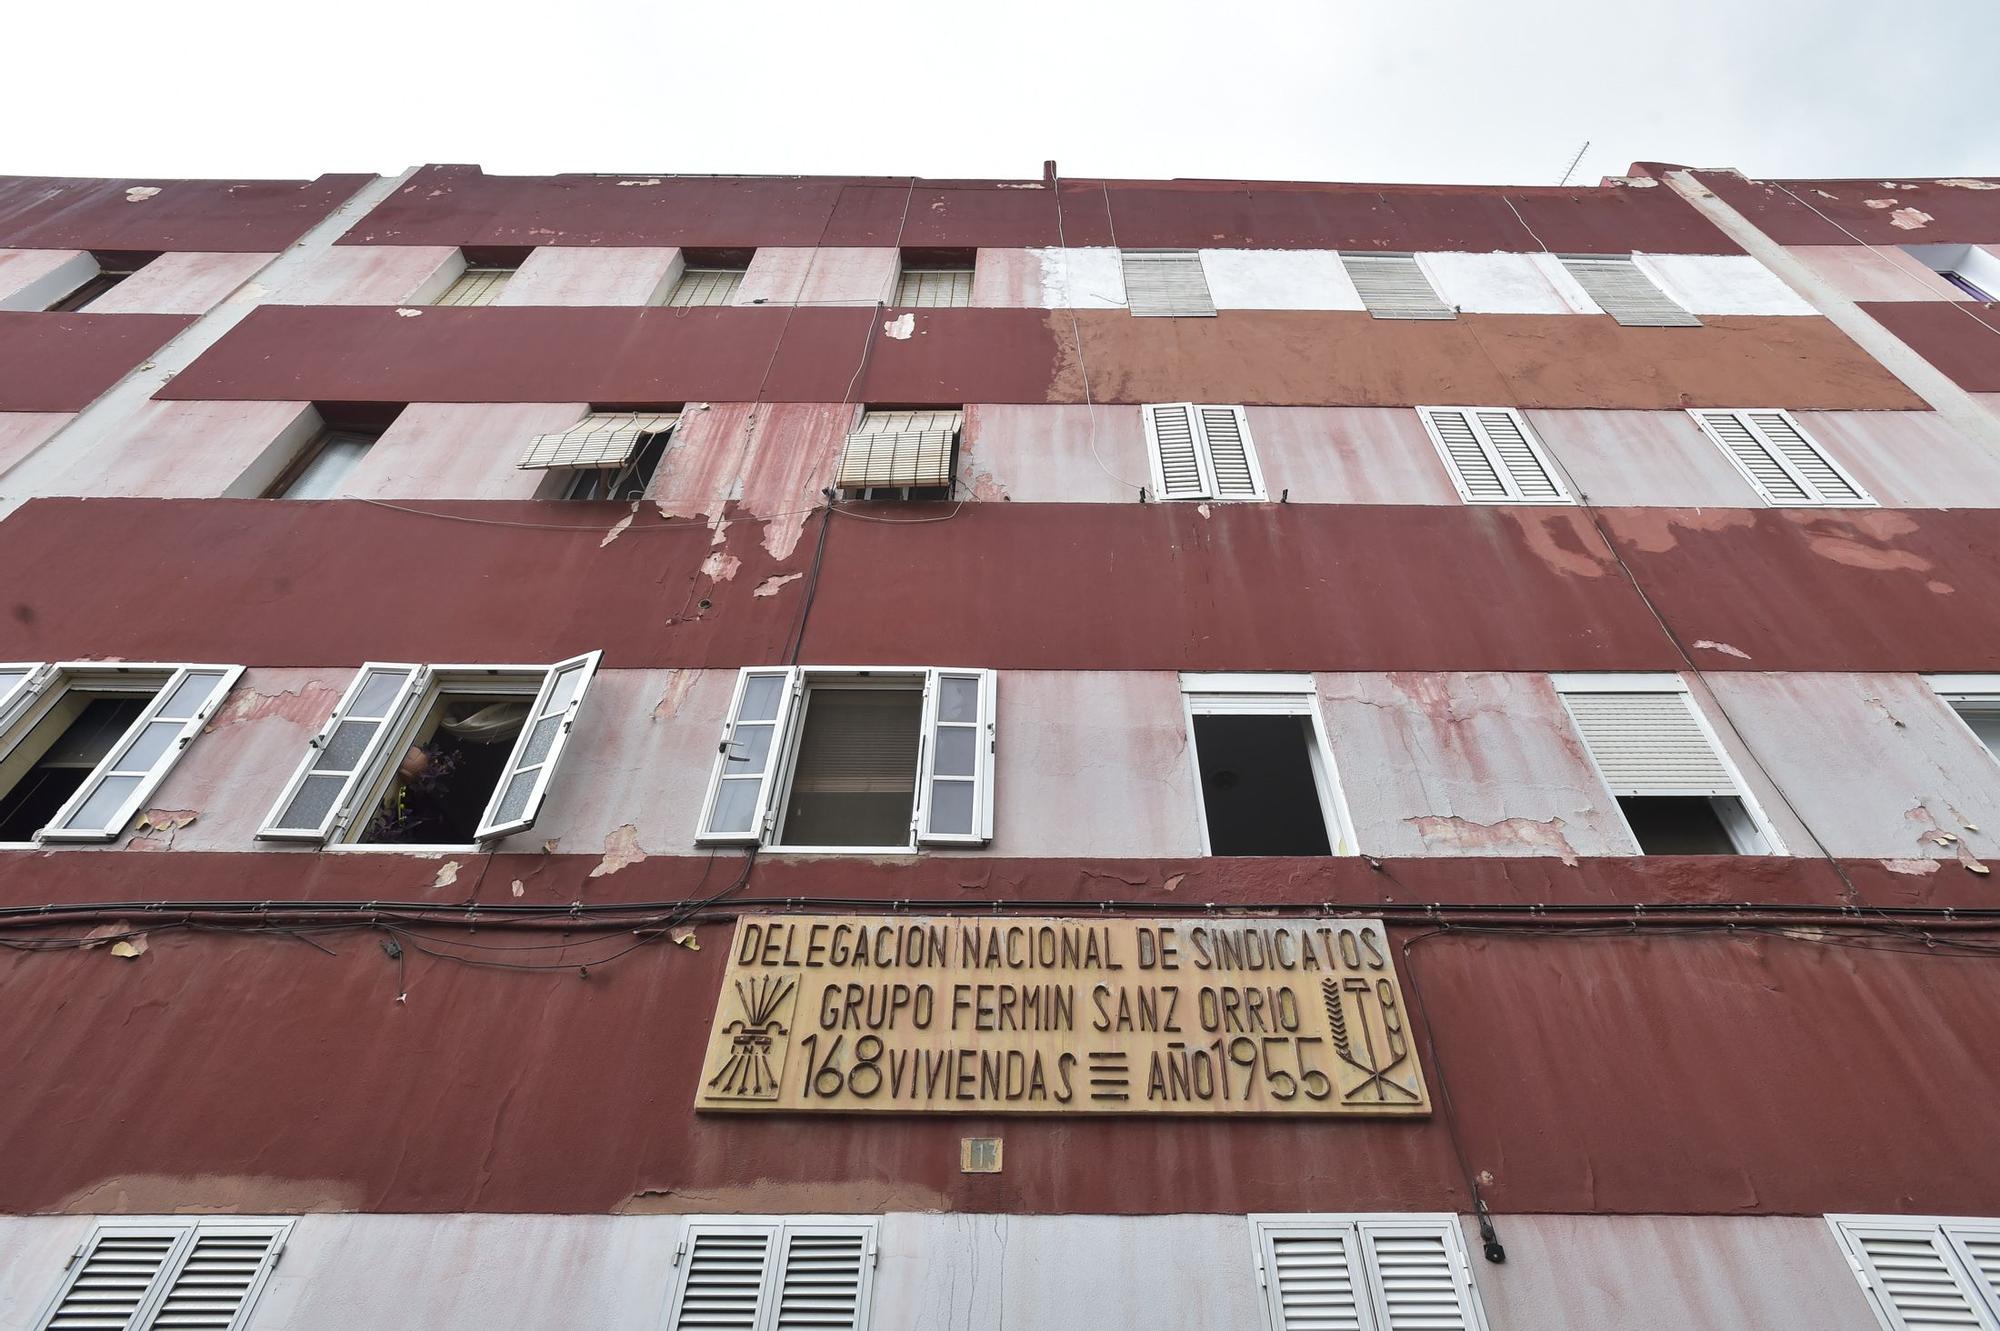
(683, 752)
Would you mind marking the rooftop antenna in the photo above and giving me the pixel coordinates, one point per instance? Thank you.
(1572, 164)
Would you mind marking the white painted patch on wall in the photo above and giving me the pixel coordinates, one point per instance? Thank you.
(1084, 279)
(1502, 283)
(141, 193)
(1279, 280)
(1723, 284)
(900, 327)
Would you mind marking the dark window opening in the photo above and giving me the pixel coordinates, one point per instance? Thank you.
(1258, 785)
(319, 468)
(94, 725)
(1684, 824)
(113, 267)
(854, 782)
(628, 482)
(448, 773)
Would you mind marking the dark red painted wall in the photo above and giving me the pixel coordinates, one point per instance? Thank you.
(1958, 337)
(955, 356)
(459, 205)
(62, 362)
(251, 216)
(1853, 212)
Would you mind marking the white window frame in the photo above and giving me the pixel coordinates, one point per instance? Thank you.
(1483, 438)
(1237, 694)
(368, 783)
(1370, 1307)
(780, 1231)
(1758, 825)
(184, 1231)
(30, 700)
(1969, 693)
(1204, 453)
(781, 759)
(1952, 1230)
(1806, 486)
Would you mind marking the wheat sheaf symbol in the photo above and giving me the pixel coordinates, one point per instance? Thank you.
(1395, 1043)
(747, 1072)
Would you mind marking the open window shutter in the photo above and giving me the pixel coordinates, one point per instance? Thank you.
(824, 1278)
(1649, 744)
(959, 736)
(1821, 474)
(1393, 286)
(118, 1274)
(1418, 1276)
(1915, 1278)
(143, 756)
(518, 795)
(725, 1278)
(1232, 458)
(342, 753)
(1309, 1276)
(1459, 442)
(1530, 477)
(1978, 1247)
(1626, 293)
(741, 789)
(1180, 469)
(217, 1278)
(20, 681)
(1166, 282)
(900, 449)
(600, 439)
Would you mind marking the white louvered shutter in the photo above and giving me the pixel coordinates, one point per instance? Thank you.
(705, 286)
(476, 286)
(1232, 458)
(1784, 463)
(518, 795)
(20, 681)
(725, 1278)
(1179, 469)
(339, 757)
(217, 1278)
(1626, 293)
(956, 802)
(115, 1277)
(741, 788)
(1394, 286)
(1978, 1247)
(1166, 283)
(143, 756)
(1493, 456)
(1915, 1278)
(823, 1280)
(1649, 743)
(1309, 1278)
(1418, 1276)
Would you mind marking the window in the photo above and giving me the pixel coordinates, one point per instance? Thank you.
(139, 1275)
(1365, 1273)
(1264, 774)
(1972, 269)
(935, 278)
(901, 455)
(434, 755)
(482, 281)
(324, 463)
(1677, 790)
(84, 743)
(1976, 699)
(1395, 286)
(1781, 460)
(771, 1275)
(711, 277)
(1493, 457)
(1202, 452)
(1624, 291)
(607, 454)
(1920, 1272)
(880, 759)
(1166, 282)
(1963, 283)
(111, 270)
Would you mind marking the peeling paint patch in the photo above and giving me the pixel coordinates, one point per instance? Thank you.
(616, 531)
(1879, 204)
(147, 832)
(447, 874)
(1910, 219)
(405, 312)
(621, 850)
(654, 180)
(307, 705)
(518, 888)
(900, 327)
(678, 685)
(1961, 182)
(1511, 836)
(1722, 647)
(1557, 542)
(141, 193)
(1920, 868)
(1939, 588)
(719, 567)
(773, 584)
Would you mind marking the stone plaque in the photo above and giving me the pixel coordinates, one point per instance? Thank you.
(992, 1014)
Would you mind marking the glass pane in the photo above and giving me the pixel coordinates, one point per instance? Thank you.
(951, 807)
(958, 698)
(344, 749)
(102, 806)
(760, 698)
(515, 802)
(748, 750)
(565, 689)
(192, 693)
(735, 806)
(956, 747)
(314, 801)
(539, 740)
(9, 678)
(153, 743)
(377, 693)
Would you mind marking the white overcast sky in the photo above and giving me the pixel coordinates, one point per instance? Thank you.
(1356, 90)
